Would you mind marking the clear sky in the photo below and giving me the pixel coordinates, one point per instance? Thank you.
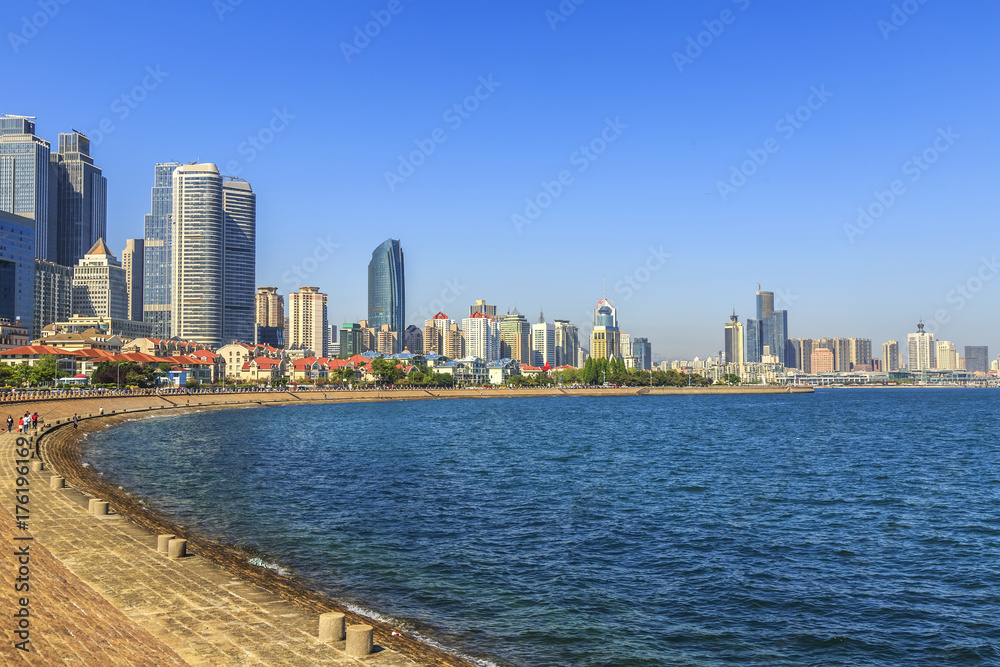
(667, 99)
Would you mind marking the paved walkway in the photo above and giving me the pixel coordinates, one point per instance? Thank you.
(102, 595)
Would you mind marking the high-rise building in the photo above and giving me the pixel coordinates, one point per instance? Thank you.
(624, 344)
(841, 349)
(947, 357)
(860, 353)
(567, 342)
(53, 295)
(480, 306)
(605, 339)
(733, 346)
(157, 269)
(307, 320)
(482, 337)
(386, 340)
(977, 358)
(822, 360)
(132, 262)
(25, 181)
(515, 338)
(798, 354)
(435, 333)
(454, 342)
(543, 344)
(890, 356)
(387, 288)
(99, 285)
(413, 339)
(642, 350)
(350, 340)
(17, 269)
(81, 196)
(778, 332)
(212, 219)
(920, 350)
(269, 307)
(754, 341)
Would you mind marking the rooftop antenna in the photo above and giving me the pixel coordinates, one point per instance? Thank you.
(758, 287)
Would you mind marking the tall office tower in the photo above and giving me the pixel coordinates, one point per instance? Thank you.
(454, 342)
(269, 307)
(754, 343)
(625, 344)
(81, 198)
(567, 341)
(778, 329)
(977, 358)
(350, 340)
(332, 345)
(387, 288)
(860, 353)
(307, 320)
(605, 314)
(920, 350)
(798, 354)
(413, 339)
(890, 356)
(211, 255)
(841, 349)
(369, 337)
(386, 341)
(482, 336)
(643, 352)
(765, 309)
(132, 262)
(239, 207)
(733, 346)
(947, 357)
(17, 269)
(605, 340)
(156, 250)
(100, 288)
(53, 294)
(480, 307)
(515, 338)
(25, 187)
(822, 360)
(543, 344)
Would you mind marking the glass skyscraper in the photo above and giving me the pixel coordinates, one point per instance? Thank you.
(17, 269)
(25, 181)
(81, 195)
(239, 204)
(387, 288)
(156, 260)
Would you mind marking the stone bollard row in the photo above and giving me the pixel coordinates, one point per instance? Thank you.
(360, 640)
(37, 466)
(176, 548)
(57, 482)
(162, 541)
(331, 627)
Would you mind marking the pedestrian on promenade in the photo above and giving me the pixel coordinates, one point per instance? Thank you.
(102, 410)
(20, 424)
(10, 423)
(34, 420)
(75, 420)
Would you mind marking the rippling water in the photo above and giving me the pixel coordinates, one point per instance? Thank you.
(846, 527)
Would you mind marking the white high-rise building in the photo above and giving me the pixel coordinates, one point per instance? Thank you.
(920, 349)
(307, 321)
(99, 285)
(482, 337)
(543, 344)
(947, 356)
(212, 256)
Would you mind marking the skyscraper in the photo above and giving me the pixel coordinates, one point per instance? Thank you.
(413, 339)
(480, 306)
(269, 307)
(890, 356)
(643, 352)
(567, 343)
(515, 337)
(733, 344)
(605, 339)
(99, 285)
(779, 334)
(17, 269)
(132, 262)
(920, 349)
(208, 215)
(53, 294)
(860, 353)
(156, 251)
(977, 358)
(81, 196)
(947, 356)
(25, 188)
(307, 321)
(543, 344)
(387, 288)
(754, 349)
(482, 337)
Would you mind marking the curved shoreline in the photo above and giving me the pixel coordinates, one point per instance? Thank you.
(58, 445)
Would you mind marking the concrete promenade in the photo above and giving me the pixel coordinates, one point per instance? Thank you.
(100, 594)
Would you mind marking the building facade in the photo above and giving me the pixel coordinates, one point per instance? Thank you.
(53, 295)
(947, 356)
(642, 350)
(99, 285)
(515, 338)
(132, 262)
(733, 345)
(543, 344)
(387, 288)
(17, 269)
(567, 344)
(81, 198)
(25, 188)
(269, 307)
(482, 337)
(239, 208)
(977, 358)
(921, 352)
(890, 356)
(157, 269)
(307, 320)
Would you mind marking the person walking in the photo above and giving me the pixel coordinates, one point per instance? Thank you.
(20, 424)
(34, 420)
(10, 423)
(102, 410)
(75, 420)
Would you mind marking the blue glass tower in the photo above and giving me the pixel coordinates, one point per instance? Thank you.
(753, 346)
(387, 289)
(25, 188)
(17, 269)
(156, 264)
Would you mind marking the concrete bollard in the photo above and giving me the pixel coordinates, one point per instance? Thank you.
(331, 627)
(162, 541)
(100, 508)
(359, 640)
(57, 482)
(90, 505)
(37, 466)
(177, 548)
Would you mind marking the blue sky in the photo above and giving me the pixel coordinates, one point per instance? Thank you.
(654, 202)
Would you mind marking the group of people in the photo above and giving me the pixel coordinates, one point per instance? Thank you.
(23, 423)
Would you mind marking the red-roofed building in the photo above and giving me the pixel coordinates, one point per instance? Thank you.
(262, 370)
